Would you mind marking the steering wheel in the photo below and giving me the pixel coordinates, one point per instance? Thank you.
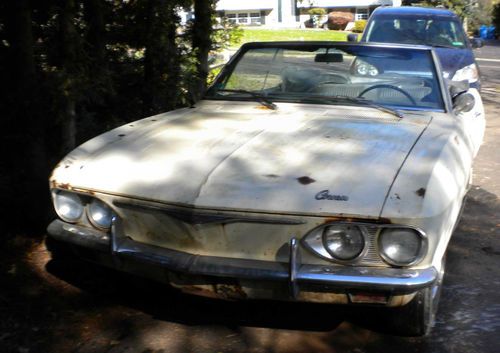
(403, 92)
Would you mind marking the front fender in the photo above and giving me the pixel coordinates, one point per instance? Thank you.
(429, 189)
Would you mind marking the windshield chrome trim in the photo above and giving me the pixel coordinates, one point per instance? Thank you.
(311, 45)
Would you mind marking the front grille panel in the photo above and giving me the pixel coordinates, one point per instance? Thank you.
(372, 258)
(230, 234)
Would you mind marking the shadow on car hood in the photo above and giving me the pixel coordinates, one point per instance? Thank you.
(237, 155)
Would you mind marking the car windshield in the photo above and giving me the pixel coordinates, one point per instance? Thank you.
(390, 77)
(437, 31)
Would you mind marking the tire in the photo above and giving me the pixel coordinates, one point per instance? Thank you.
(417, 317)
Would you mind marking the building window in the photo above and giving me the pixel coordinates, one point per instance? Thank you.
(244, 18)
(231, 17)
(255, 18)
(361, 14)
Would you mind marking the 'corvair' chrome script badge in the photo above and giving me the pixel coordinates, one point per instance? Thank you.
(325, 195)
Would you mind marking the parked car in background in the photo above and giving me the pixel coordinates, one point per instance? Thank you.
(311, 171)
(439, 28)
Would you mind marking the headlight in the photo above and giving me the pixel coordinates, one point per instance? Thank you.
(68, 206)
(365, 69)
(343, 242)
(100, 215)
(467, 73)
(401, 246)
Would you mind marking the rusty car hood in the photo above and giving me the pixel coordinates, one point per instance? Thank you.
(239, 155)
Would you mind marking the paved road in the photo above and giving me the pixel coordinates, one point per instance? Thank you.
(86, 309)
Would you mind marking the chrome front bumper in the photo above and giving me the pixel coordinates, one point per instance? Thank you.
(392, 281)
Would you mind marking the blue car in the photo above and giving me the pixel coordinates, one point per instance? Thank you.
(439, 28)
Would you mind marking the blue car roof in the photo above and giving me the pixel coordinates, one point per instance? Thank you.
(413, 10)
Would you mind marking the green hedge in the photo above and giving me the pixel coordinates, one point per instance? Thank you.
(359, 26)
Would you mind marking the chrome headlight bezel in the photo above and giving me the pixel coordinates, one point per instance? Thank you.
(371, 254)
(314, 241)
(86, 203)
(422, 251)
(56, 198)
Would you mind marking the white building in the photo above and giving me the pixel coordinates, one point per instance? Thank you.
(292, 13)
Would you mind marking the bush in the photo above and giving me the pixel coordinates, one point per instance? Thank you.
(339, 20)
(316, 12)
(359, 26)
(496, 17)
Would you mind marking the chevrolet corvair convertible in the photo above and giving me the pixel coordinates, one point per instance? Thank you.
(311, 171)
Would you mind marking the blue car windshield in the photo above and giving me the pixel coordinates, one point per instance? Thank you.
(441, 31)
(398, 78)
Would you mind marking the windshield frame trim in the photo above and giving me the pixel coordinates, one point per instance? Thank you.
(228, 68)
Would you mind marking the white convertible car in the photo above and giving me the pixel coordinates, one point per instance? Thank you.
(311, 171)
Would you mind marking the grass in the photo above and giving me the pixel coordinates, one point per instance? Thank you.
(267, 35)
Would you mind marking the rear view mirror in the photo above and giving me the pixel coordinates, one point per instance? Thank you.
(476, 43)
(463, 103)
(329, 58)
(352, 37)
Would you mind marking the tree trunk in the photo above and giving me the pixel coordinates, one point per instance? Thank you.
(96, 38)
(161, 62)
(70, 42)
(24, 139)
(202, 43)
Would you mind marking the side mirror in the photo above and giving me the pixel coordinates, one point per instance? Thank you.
(476, 43)
(352, 37)
(463, 103)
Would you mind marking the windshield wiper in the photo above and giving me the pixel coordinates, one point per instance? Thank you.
(358, 100)
(443, 46)
(262, 99)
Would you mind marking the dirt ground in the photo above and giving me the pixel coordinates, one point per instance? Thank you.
(73, 306)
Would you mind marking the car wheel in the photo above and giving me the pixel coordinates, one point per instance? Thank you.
(417, 317)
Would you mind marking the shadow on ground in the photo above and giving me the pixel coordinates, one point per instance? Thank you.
(49, 305)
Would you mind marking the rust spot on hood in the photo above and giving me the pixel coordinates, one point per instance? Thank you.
(262, 107)
(305, 180)
(65, 186)
(420, 192)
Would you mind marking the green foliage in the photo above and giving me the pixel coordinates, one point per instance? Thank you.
(317, 11)
(267, 35)
(226, 34)
(359, 26)
(479, 15)
(72, 69)
(462, 8)
(477, 12)
(496, 16)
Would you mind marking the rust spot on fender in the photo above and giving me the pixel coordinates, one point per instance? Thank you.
(420, 192)
(305, 180)
(262, 107)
